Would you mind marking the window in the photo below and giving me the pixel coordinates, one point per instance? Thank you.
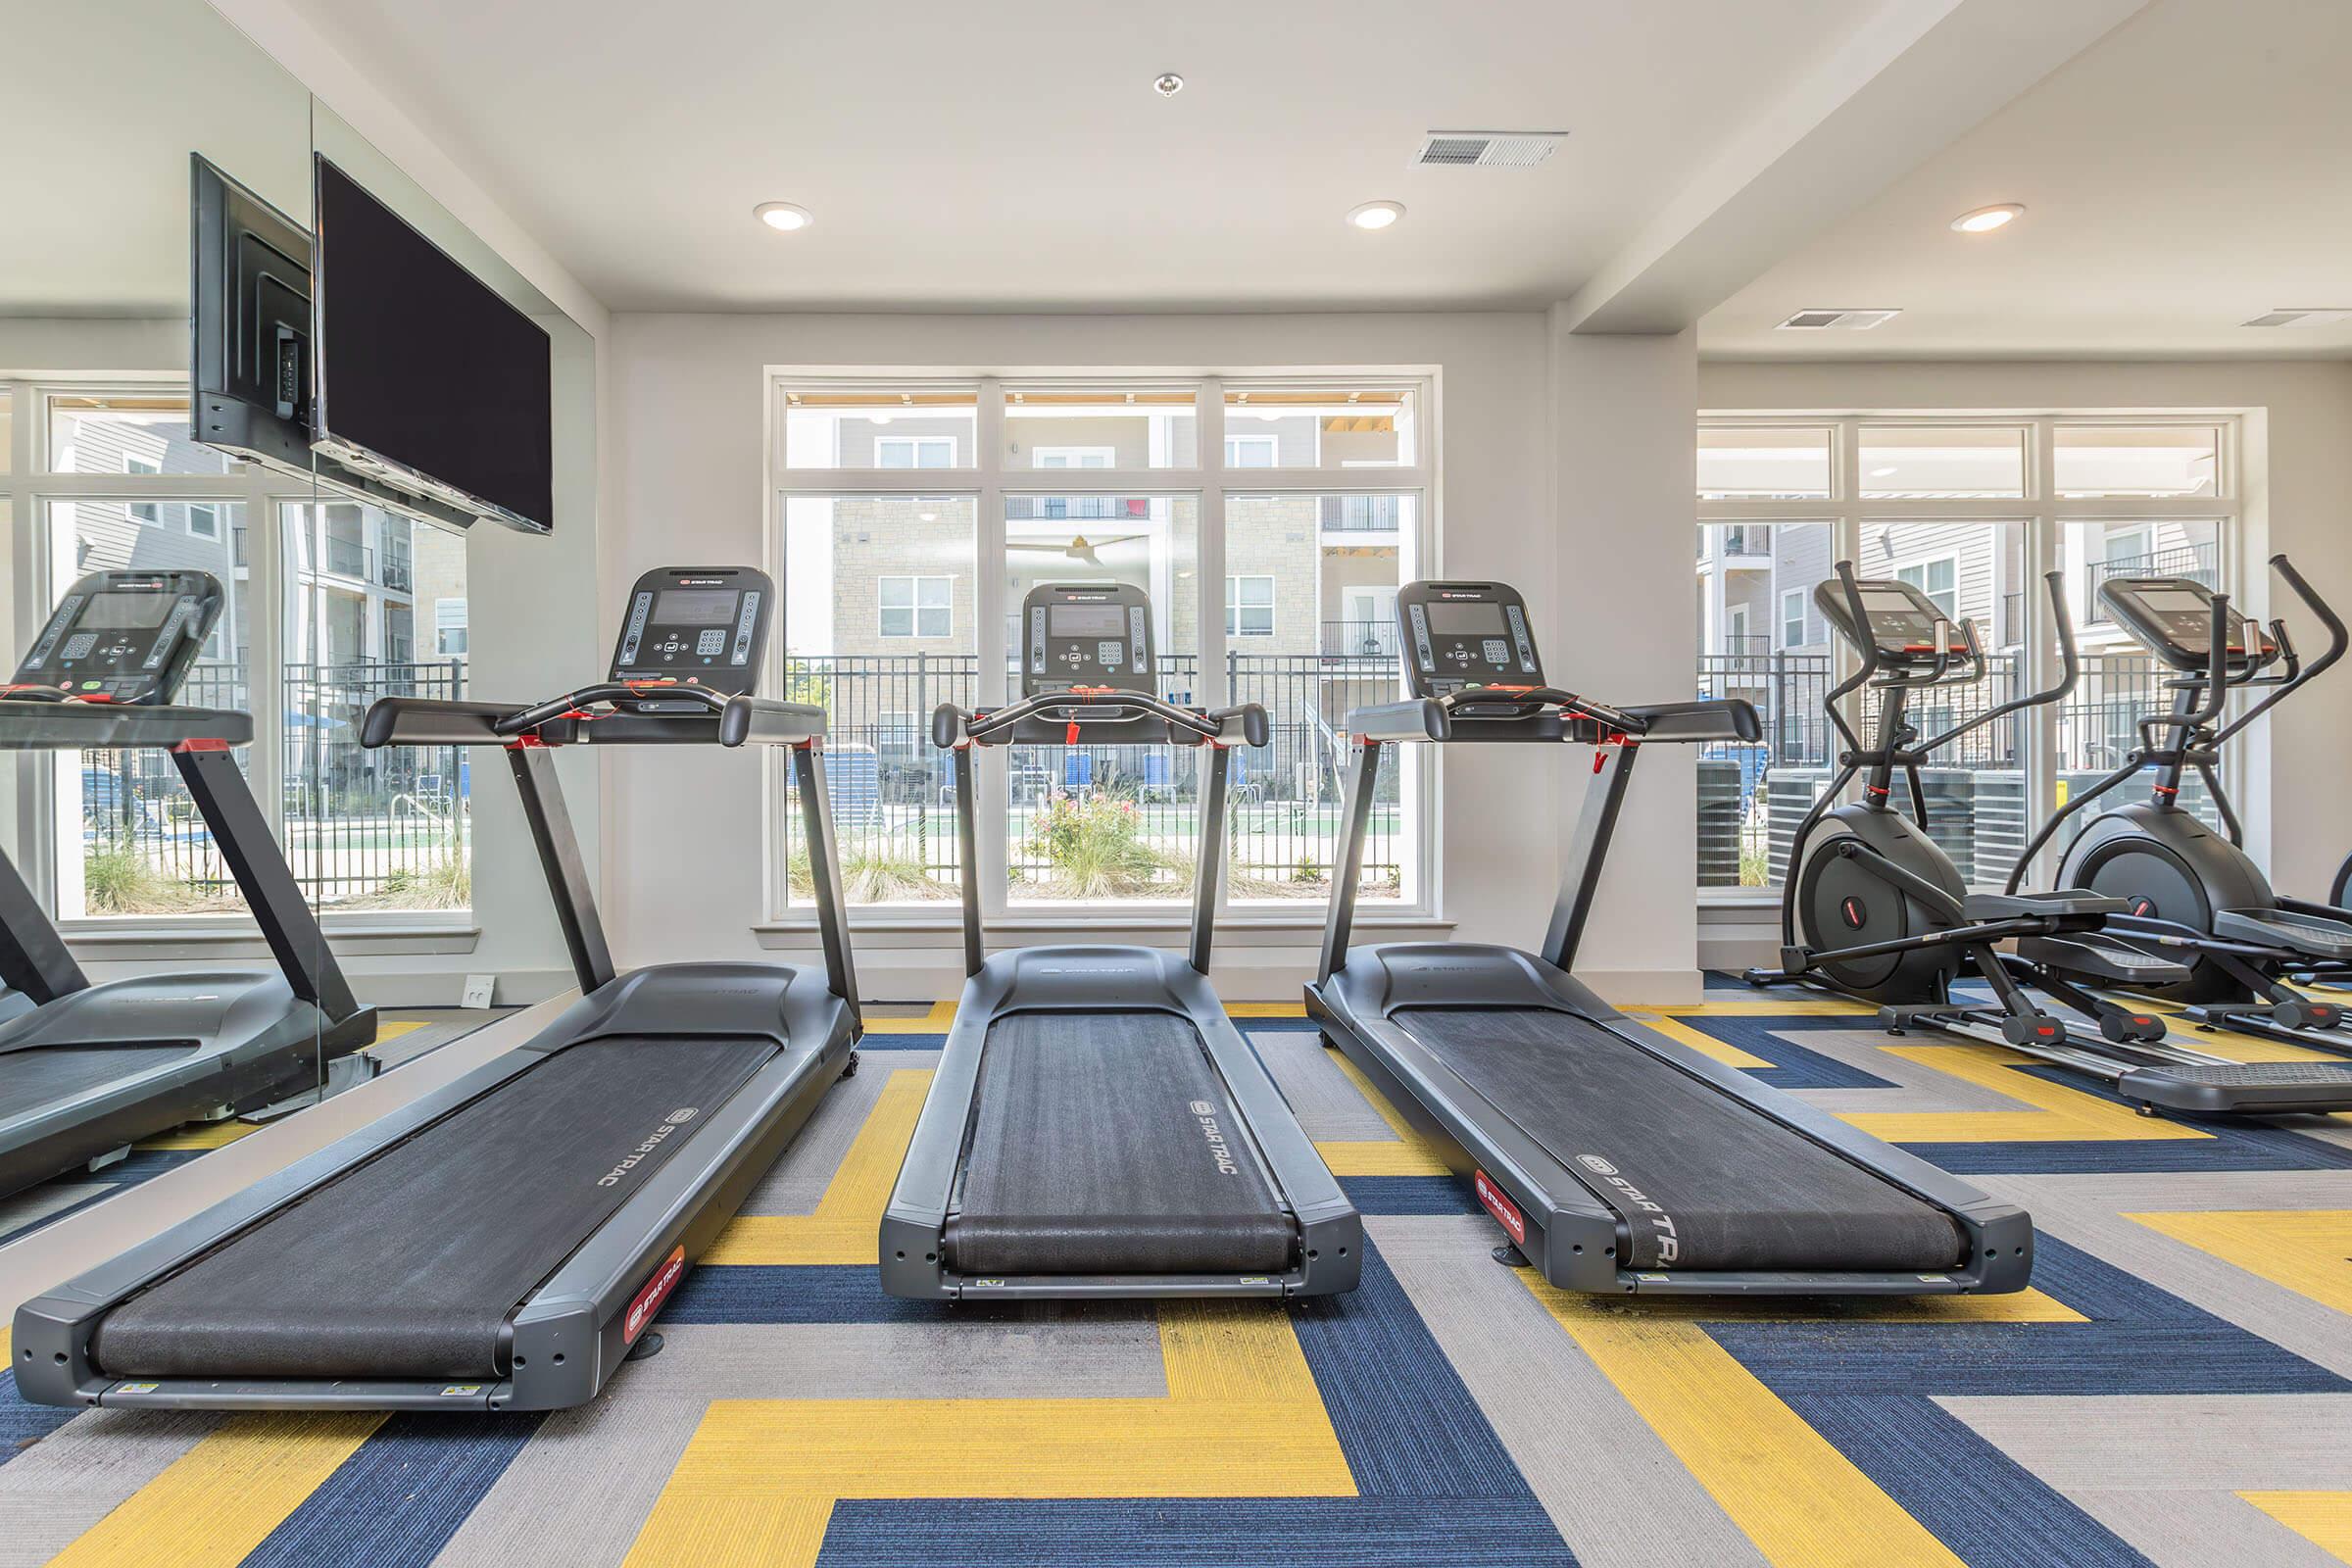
(1974, 508)
(1249, 607)
(449, 628)
(914, 607)
(144, 512)
(204, 519)
(1938, 579)
(914, 452)
(896, 602)
(1252, 451)
(1073, 456)
(1735, 630)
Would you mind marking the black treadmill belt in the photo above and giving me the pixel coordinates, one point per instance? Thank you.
(1106, 1142)
(41, 1076)
(408, 1265)
(1732, 1188)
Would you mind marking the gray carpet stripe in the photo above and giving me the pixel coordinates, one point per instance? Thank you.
(1327, 1106)
(59, 1487)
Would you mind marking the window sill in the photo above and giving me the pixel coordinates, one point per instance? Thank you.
(1239, 931)
(225, 937)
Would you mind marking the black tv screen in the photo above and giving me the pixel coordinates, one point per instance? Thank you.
(426, 377)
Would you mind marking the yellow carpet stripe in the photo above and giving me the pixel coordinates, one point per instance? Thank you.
(219, 1500)
(2060, 1113)
(1381, 1157)
(1701, 1042)
(937, 1021)
(1265, 1009)
(1795, 1495)
(1241, 1418)
(2322, 1518)
(2308, 1251)
(847, 1224)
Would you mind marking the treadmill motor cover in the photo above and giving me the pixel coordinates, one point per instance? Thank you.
(408, 1264)
(1106, 1143)
(1700, 1180)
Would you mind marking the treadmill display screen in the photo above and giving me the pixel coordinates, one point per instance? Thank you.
(115, 611)
(696, 607)
(1084, 622)
(1456, 619)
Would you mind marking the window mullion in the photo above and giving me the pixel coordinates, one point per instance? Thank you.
(989, 592)
(1209, 562)
(265, 656)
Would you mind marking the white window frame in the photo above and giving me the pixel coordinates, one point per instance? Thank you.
(1923, 565)
(28, 488)
(2042, 512)
(914, 607)
(1234, 606)
(212, 512)
(442, 628)
(989, 482)
(1266, 440)
(1735, 630)
(915, 445)
(1037, 456)
(1802, 620)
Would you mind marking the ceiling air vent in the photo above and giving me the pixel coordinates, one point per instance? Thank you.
(1487, 149)
(1836, 320)
(2285, 317)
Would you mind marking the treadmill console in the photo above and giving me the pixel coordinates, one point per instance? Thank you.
(695, 626)
(125, 636)
(1462, 634)
(1085, 634)
(1902, 619)
(2173, 617)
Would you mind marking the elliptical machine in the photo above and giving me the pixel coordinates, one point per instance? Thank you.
(1873, 908)
(2186, 889)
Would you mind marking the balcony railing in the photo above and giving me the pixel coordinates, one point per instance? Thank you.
(1360, 639)
(1075, 509)
(399, 574)
(2197, 563)
(1362, 514)
(347, 558)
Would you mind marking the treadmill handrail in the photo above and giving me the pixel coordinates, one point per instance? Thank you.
(1243, 723)
(45, 724)
(572, 718)
(1438, 718)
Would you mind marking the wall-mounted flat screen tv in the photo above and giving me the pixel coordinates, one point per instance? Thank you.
(425, 379)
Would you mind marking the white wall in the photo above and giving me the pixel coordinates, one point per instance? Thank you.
(2298, 500)
(684, 477)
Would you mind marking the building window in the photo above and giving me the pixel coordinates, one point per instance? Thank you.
(914, 452)
(1249, 607)
(145, 514)
(449, 628)
(1255, 451)
(1971, 508)
(896, 603)
(1938, 579)
(1071, 456)
(914, 607)
(204, 519)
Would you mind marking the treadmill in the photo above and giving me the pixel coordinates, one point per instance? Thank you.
(1096, 1126)
(88, 1070)
(505, 1242)
(1615, 1158)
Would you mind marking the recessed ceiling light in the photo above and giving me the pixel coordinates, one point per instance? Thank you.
(2301, 316)
(783, 215)
(1880, 473)
(1827, 318)
(1375, 214)
(1168, 84)
(1984, 220)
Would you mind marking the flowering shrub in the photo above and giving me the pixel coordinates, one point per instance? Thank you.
(1096, 845)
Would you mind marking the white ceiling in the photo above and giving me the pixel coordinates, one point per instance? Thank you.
(2188, 172)
(1015, 156)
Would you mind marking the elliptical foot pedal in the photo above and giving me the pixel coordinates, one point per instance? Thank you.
(1509, 1257)
(2039, 1030)
(647, 1344)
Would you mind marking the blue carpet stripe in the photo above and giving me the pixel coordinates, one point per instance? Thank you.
(396, 1501)
(1793, 1065)
(1197, 1532)
(1989, 1509)
(24, 1424)
(1410, 1195)
(1406, 1423)
(774, 1292)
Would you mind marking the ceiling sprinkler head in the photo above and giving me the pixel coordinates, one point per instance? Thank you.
(1168, 84)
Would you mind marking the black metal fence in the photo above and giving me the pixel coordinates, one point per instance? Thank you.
(389, 827)
(894, 794)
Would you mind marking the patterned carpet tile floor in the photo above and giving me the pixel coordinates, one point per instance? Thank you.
(2176, 1389)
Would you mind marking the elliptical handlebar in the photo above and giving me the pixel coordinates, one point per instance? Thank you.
(2070, 670)
(2297, 674)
